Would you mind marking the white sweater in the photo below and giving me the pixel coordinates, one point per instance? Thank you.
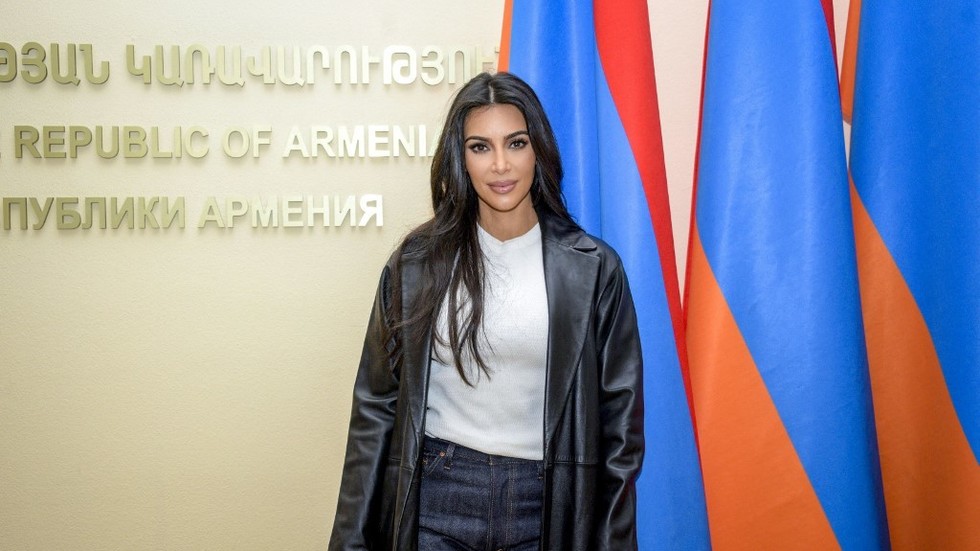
(502, 414)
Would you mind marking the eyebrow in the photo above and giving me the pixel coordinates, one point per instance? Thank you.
(507, 137)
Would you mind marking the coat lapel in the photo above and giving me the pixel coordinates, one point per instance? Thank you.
(415, 356)
(570, 272)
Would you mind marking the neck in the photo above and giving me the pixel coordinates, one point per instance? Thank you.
(504, 226)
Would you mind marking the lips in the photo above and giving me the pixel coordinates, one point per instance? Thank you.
(502, 187)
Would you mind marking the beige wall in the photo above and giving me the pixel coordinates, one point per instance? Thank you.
(189, 388)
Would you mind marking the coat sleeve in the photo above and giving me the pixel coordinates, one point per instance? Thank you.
(356, 523)
(621, 413)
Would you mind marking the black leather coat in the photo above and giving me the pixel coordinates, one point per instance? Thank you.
(593, 439)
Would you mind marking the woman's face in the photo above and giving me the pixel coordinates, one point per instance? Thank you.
(500, 162)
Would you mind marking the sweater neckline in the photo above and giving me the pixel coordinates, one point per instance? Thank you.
(490, 242)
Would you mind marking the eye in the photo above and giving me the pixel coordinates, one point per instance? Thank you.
(519, 143)
(478, 147)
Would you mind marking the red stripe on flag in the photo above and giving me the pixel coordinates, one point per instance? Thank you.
(633, 86)
(828, 14)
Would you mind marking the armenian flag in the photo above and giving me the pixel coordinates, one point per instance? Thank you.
(778, 363)
(591, 64)
(915, 169)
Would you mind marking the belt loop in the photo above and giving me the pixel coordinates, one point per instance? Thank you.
(447, 463)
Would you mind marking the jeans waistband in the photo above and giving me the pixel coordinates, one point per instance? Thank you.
(453, 450)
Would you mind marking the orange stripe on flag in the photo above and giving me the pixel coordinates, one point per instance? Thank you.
(503, 59)
(758, 494)
(850, 59)
(931, 479)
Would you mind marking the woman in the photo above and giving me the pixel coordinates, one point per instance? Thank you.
(498, 400)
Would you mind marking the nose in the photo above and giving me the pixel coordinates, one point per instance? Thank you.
(500, 162)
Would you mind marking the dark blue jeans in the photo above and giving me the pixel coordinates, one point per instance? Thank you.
(471, 501)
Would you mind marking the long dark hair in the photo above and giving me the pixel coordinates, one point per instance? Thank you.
(447, 244)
